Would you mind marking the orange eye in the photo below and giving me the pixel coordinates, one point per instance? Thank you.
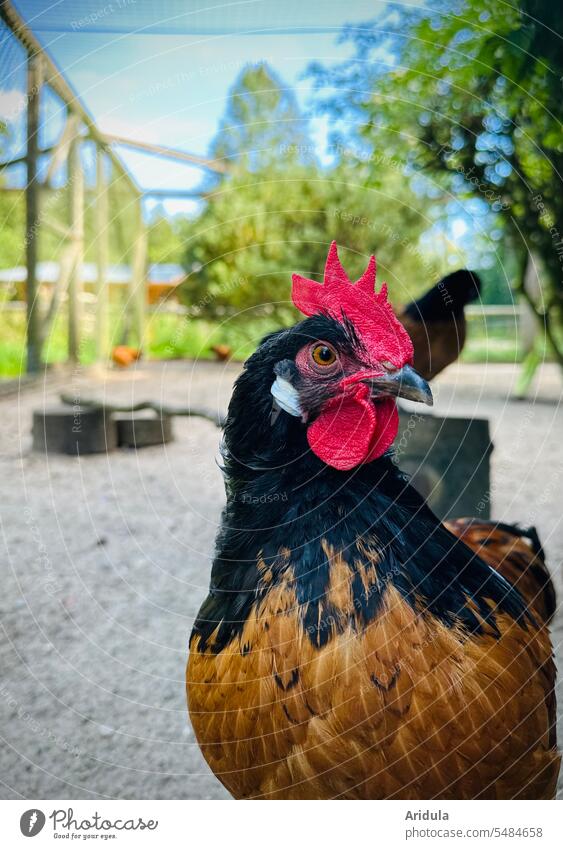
(323, 355)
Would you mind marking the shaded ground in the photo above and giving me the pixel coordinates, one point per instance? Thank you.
(105, 561)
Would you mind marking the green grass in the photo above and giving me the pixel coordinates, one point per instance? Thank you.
(12, 344)
(12, 350)
(175, 336)
(171, 337)
(491, 350)
(491, 340)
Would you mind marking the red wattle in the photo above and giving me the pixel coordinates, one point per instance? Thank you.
(386, 430)
(352, 430)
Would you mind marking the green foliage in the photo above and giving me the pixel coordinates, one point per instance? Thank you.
(12, 343)
(259, 229)
(475, 102)
(12, 227)
(166, 239)
(173, 336)
(261, 224)
(54, 207)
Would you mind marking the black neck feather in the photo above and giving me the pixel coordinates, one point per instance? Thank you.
(282, 498)
(299, 507)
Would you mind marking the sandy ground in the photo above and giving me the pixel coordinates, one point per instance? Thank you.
(106, 559)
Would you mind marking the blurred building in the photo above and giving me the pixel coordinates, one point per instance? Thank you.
(162, 279)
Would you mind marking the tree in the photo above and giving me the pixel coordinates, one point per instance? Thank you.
(273, 215)
(166, 241)
(262, 123)
(473, 99)
(257, 229)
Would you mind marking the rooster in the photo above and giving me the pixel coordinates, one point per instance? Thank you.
(436, 321)
(351, 645)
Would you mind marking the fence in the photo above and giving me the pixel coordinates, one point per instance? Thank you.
(496, 333)
(66, 197)
(69, 175)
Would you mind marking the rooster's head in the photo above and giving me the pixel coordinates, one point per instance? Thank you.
(335, 376)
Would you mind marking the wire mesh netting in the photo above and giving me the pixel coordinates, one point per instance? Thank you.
(196, 17)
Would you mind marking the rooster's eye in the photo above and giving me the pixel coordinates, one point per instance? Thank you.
(323, 355)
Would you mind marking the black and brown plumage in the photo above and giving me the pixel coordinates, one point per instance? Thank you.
(436, 322)
(351, 645)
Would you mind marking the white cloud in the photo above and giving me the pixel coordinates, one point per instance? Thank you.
(12, 104)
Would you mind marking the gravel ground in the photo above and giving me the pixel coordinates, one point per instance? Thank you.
(106, 560)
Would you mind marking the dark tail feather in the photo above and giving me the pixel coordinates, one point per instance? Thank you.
(447, 298)
(517, 554)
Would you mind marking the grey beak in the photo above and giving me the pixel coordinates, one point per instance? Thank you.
(402, 383)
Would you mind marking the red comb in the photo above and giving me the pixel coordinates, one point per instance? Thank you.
(382, 334)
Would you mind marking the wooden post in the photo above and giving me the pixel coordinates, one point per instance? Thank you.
(76, 189)
(34, 81)
(66, 265)
(61, 150)
(138, 292)
(102, 245)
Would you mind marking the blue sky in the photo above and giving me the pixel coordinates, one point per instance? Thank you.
(172, 89)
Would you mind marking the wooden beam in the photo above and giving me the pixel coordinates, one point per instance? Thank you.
(56, 228)
(54, 78)
(174, 193)
(61, 149)
(66, 267)
(20, 160)
(138, 291)
(215, 165)
(76, 203)
(34, 83)
(102, 253)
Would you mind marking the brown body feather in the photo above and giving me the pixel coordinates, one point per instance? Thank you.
(403, 708)
(517, 555)
(436, 344)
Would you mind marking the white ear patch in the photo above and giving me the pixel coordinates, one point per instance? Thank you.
(286, 396)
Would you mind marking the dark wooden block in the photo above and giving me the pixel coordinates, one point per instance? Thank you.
(74, 430)
(449, 462)
(139, 430)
